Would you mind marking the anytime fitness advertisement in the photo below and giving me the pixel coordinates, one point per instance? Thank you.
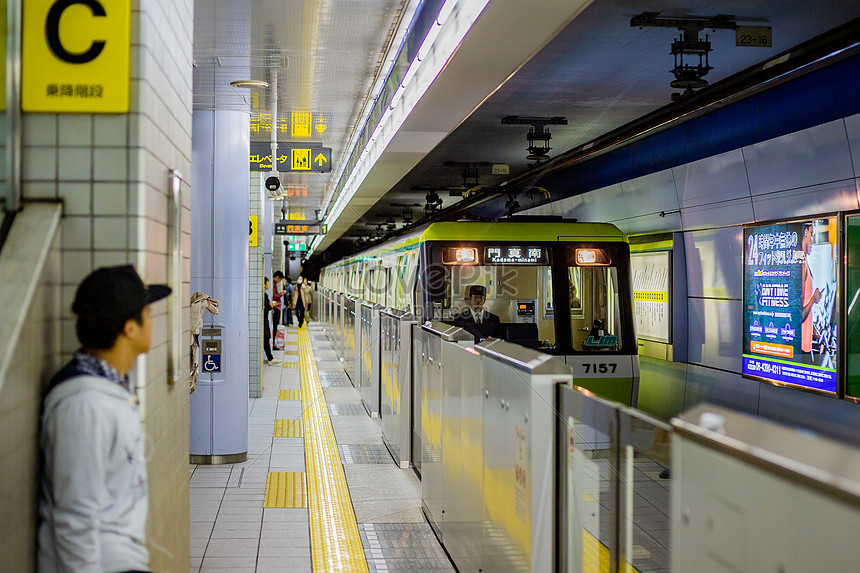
(790, 303)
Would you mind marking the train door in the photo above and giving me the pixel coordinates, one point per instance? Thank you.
(603, 349)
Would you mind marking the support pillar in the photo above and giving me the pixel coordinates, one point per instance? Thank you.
(219, 268)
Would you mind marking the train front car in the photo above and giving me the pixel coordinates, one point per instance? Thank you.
(562, 288)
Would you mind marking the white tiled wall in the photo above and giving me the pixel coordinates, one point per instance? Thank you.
(111, 172)
(255, 283)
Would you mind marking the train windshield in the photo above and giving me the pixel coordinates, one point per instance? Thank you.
(595, 301)
(503, 291)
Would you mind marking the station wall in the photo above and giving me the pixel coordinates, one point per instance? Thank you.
(706, 203)
(110, 172)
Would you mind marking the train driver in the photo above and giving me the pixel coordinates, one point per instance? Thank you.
(476, 313)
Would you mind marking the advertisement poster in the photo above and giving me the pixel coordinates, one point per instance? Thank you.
(790, 306)
(651, 295)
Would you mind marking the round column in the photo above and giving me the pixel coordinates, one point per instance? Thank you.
(219, 267)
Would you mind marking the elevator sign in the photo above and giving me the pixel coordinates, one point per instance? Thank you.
(291, 158)
(75, 56)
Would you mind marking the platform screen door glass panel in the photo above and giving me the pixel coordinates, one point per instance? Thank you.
(790, 303)
(852, 298)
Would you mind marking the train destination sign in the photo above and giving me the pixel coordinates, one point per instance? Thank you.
(790, 303)
(515, 255)
(291, 158)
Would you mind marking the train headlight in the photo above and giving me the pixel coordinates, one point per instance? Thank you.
(588, 257)
(461, 256)
(466, 255)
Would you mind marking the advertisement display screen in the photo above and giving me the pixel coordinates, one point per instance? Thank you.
(790, 303)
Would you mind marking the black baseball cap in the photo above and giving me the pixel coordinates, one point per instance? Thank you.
(477, 290)
(116, 292)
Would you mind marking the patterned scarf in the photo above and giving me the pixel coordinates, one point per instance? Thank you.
(87, 364)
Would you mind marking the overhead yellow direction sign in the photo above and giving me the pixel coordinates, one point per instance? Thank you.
(75, 56)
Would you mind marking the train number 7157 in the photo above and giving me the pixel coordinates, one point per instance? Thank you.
(601, 368)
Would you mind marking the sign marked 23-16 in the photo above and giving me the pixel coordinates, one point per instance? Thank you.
(75, 56)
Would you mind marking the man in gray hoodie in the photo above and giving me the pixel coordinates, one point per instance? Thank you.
(94, 496)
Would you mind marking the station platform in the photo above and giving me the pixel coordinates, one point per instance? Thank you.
(319, 490)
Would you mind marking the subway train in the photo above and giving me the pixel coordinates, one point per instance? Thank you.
(559, 286)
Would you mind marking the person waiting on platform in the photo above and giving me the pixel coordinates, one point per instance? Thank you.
(288, 302)
(267, 334)
(301, 300)
(94, 497)
(476, 313)
(278, 291)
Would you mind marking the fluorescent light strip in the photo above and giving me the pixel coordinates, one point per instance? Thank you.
(445, 11)
(382, 133)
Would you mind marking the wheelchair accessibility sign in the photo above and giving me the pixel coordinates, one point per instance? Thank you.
(211, 363)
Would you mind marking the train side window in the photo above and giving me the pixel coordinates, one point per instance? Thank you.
(410, 283)
(418, 301)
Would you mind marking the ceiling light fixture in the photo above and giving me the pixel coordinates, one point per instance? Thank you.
(249, 84)
(538, 137)
(688, 76)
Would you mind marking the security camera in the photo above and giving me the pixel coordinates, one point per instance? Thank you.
(273, 184)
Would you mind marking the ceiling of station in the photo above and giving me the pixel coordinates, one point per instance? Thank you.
(599, 73)
(595, 70)
(324, 56)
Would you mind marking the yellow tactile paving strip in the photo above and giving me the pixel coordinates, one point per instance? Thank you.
(291, 365)
(335, 542)
(288, 429)
(289, 395)
(285, 489)
(291, 352)
(595, 556)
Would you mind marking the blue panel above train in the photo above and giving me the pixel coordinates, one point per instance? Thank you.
(816, 98)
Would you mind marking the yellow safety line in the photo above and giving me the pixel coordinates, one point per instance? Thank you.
(289, 395)
(291, 428)
(335, 542)
(595, 556)
(285, 489)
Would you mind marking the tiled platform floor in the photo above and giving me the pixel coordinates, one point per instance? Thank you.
(230, 530)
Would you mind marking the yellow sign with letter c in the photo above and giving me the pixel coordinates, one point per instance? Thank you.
(76, 56)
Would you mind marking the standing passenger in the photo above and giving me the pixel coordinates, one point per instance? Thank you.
(94, 496)
(267, 306)
(288, 302)
(301, 299)
(277, 298)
